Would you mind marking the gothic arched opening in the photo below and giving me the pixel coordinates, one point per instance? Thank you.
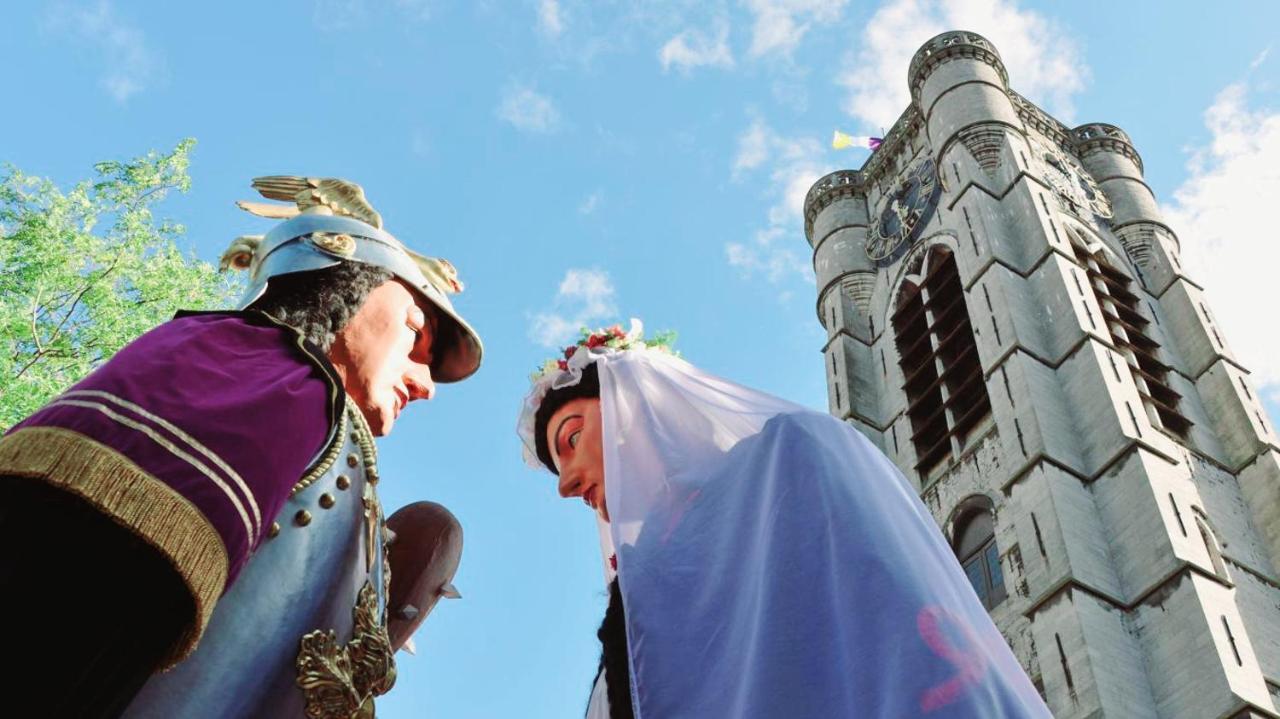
(1113, 290)
(975, 546)
(942, 373)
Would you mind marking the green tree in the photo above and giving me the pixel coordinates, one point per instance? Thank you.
(84, 272)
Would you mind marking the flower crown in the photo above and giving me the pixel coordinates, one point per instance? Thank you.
(566, 370)
(606, 338)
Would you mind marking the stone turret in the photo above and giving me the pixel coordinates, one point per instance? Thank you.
(960, 87)
(1109, 155)
(836, 225)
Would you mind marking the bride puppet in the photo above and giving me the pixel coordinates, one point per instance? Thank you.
(764, 560)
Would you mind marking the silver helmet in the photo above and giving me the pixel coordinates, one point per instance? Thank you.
(329, 222)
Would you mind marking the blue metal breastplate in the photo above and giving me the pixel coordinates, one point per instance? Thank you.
(302, 632)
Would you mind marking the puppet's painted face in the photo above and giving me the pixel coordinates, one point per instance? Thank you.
(574, 437)
(384, 354)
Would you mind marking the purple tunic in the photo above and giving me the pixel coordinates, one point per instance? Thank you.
(192, 436)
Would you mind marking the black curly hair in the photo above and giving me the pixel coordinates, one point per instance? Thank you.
(555, 399)
(319, 303)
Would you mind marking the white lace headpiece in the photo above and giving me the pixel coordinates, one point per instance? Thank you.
(566, 371)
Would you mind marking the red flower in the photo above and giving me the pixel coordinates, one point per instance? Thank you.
(616, 331)
(563, 365)
(568, 351)
(595, 341)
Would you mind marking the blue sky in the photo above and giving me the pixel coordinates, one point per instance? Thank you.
(591, 161)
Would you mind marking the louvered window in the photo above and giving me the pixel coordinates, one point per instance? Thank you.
(1113, 290)
(946, 395)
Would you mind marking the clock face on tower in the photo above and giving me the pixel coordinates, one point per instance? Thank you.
(904, 213)
(1074, 185)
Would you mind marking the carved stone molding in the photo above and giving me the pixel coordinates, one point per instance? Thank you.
(1138, 241)
(1141, 238)
(857, 286)
(898, 138)
(1040, 120)
(985, 144)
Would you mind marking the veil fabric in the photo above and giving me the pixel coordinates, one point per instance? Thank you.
(773, 563)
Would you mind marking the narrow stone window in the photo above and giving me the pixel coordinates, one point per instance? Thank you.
(1039, 540)
(1231, 638)
(1066, 668)
(1113, 290)
(1211, 544)
(1177, 515)
(942, 375)
(975, 547)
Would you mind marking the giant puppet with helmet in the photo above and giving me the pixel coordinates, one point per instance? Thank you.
(204, 505)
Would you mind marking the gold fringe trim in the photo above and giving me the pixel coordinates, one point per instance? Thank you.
(138, 501)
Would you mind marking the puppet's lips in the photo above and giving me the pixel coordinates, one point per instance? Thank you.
(402, 399)
(589, 497)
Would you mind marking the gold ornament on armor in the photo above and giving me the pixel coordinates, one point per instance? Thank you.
(340, 244)
(341, 680)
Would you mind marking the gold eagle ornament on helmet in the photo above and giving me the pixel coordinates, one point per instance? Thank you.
(311, 195)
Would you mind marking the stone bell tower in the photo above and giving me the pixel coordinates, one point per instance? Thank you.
(1008, 319)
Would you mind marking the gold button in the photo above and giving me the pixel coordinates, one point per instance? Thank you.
(302, 518)
(355, 436)
(352, 460)
(343, 481)
(275, 529)
(326, 500)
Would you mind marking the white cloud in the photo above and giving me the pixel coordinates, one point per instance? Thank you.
(793, 165)
(550, 20)
(1260, 58)
(764, 255)
(584, 296)
(753, 148)
(1228, 245)
(1044, 62)
(128, 65)
(693, 48)
(779, 25)
(590, 204)
(528, 111)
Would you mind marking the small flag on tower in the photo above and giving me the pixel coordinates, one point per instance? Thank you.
(840, 141)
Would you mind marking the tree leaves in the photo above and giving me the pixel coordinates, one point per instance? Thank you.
(85, 271)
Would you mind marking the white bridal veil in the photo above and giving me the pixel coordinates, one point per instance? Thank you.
(773, 563)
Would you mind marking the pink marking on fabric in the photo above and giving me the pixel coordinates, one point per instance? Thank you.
(969, 661)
